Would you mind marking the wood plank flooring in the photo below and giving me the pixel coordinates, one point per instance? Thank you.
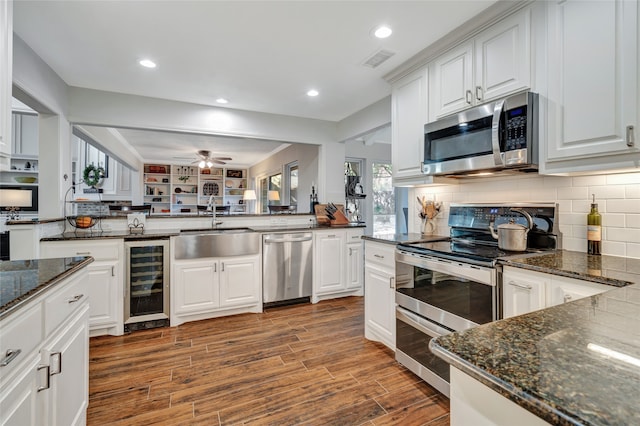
(303, 364)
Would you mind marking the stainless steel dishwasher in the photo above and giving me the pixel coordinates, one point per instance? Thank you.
(287, 268)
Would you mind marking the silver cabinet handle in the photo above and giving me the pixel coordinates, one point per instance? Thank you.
(48, 385)
(378, 256)
(113, 271)
(392, 281)
(467, 96)
(222, 265)
(331, 236)
(524, 286)
(479, 93)
(9, 356)
(631, 140)
(350, 251)
(83, 253)
(75, 298)
(355, 237)
(59, 370)
(215, 267)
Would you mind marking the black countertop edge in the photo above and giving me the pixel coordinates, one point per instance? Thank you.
(34, 221)
(395, 239)
(44, 284)
(160, 234)
(547, 412)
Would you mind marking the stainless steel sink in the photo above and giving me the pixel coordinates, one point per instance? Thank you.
(195, 244)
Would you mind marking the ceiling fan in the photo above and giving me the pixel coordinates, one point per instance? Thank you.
(206, 160)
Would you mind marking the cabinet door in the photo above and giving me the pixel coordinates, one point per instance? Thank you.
(196, 287)
(503, 58)
(68, 357)
(28, 135)
(566, 289)
(593, 80)
(329, 262)
(240, 281)
(523, 293)
(354, 265)
(409, 115)
(6, 61)
(105, 302)
(379, 305)
(452, 80)
(19, 400)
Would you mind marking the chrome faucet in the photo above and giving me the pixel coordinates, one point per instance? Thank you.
(211, 206)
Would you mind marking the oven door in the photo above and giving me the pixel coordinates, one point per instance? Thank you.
(454, 294)
(413, 334)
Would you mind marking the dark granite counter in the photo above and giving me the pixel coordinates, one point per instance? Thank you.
(610, 270)
(22, 280)
(412, 237)
(573, 364)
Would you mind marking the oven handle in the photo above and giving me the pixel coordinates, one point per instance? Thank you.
(421, 324)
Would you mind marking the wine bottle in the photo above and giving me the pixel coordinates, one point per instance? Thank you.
(594, 229)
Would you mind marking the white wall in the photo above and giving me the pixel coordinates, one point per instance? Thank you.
(617, 195)
(367, 119)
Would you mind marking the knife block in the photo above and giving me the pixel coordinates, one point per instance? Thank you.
(322, 219)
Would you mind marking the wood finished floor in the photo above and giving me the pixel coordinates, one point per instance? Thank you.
(304, 364)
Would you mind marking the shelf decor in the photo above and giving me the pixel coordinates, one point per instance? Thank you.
(234, 173)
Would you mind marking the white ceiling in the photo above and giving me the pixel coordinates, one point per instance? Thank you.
(261, 55)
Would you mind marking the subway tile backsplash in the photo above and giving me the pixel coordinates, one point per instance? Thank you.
(617, 195)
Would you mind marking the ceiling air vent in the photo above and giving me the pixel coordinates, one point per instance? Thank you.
(378, 58)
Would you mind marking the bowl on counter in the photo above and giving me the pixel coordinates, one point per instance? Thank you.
(25, 179)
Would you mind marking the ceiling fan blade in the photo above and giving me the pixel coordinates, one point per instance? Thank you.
(215, 160)
(223, 158)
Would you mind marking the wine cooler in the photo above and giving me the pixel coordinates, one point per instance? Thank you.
(147, 292)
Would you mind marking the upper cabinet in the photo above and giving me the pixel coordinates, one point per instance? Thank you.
(592, 85)
(493, 64)
(24, 128)
(6, 61)
(408, 117)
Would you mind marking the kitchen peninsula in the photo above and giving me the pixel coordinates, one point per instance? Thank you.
(572, 364)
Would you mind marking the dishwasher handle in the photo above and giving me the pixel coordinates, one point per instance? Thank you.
(286, 240)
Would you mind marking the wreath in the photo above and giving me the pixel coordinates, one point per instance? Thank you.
(92, 175)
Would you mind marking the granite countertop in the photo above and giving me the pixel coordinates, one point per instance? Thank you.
(610, 270)
(551, 361)
(23, 280)
(412, 237)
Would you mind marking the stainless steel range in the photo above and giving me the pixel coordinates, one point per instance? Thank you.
(453, 285)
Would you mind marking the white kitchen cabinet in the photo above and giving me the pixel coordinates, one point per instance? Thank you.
(337, 271)
(408, 117)
(379, 294)
(355, 257)
(105, 277)
(240, 281)
(526, 291)
(24, 135)
(211, 287)
(493, 64)
(565, 289)
(68, 357)
(6, 66)
(593, 109)
(48, 382)
(523, 292)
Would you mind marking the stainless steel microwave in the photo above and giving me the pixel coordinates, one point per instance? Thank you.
(497, 136)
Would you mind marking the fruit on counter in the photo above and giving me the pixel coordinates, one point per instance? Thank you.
(83, 221)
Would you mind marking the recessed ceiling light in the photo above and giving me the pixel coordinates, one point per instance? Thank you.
(382, 31)
(222, 101)
(313, 92)
(147, 63)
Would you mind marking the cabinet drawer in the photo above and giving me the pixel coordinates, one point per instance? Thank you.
(65, 300)
(99, 250)
(380, 253)
(20, 331)
(355, 235)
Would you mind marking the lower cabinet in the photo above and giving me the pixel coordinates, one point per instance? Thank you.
(48, 383)
(210, 287)
(379, 293)
(106, 280)
(337, 263)
(526, 291)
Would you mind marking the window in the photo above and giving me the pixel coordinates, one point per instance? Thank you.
(384, 210)
(291, 171)
(266, 184)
